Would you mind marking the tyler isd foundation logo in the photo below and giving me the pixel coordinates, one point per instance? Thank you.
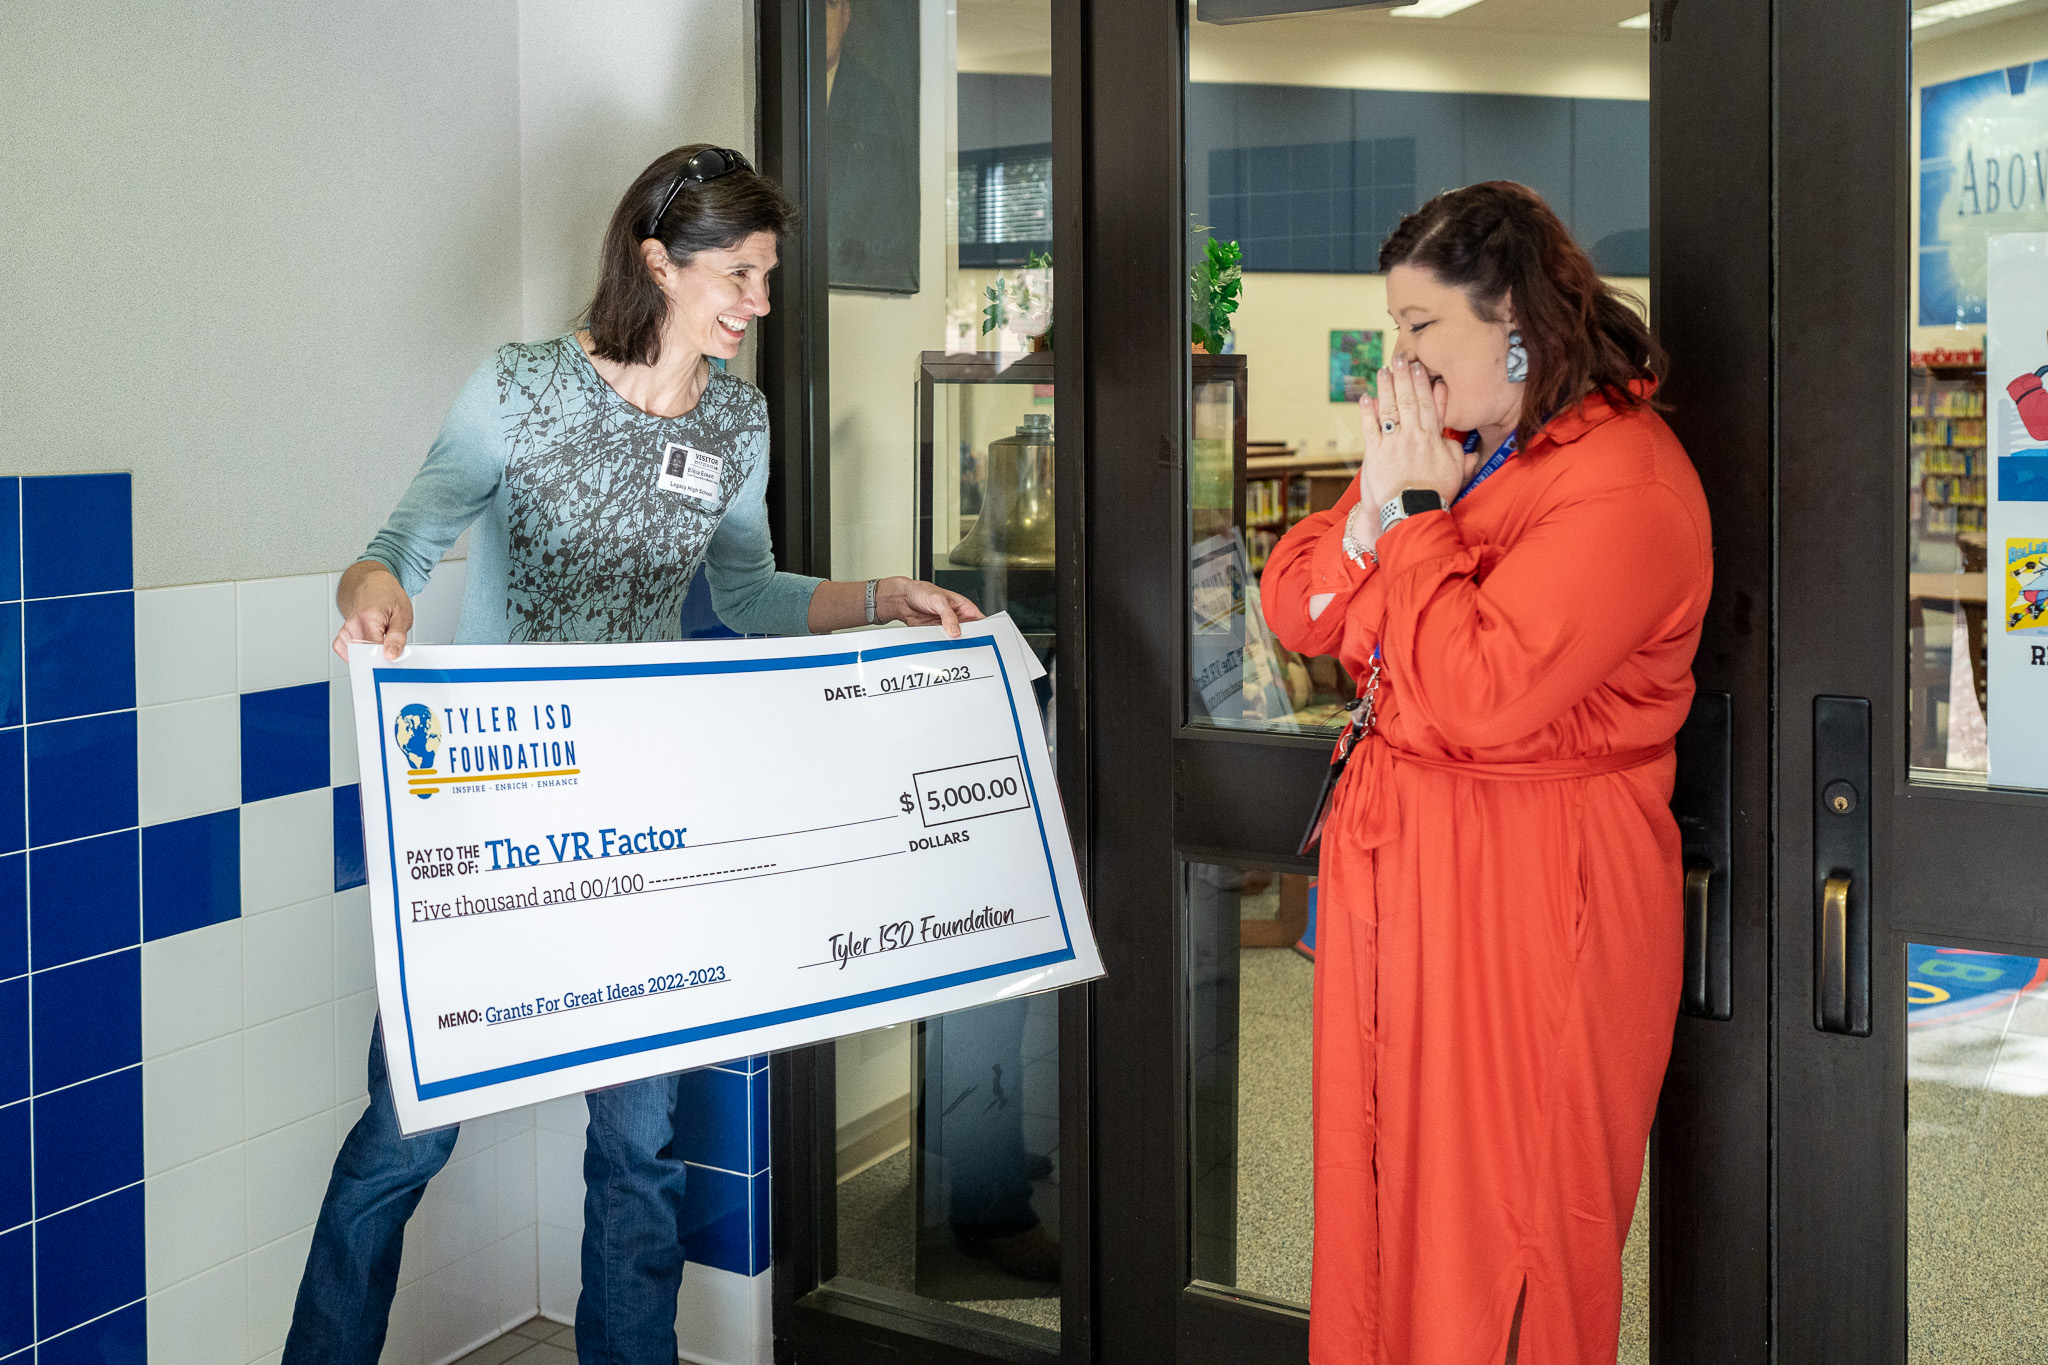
(419, 739)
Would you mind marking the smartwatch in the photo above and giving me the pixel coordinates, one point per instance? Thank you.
(1408, 503)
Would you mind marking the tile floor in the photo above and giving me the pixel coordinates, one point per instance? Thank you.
(537, 1341)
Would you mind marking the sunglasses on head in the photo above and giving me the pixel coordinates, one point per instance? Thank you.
(708, 164)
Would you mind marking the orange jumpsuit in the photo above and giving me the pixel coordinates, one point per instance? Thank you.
(1498, 942)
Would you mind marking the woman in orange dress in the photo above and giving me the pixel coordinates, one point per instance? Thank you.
(1518, 585)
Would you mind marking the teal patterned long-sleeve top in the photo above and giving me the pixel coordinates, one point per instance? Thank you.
(577, 538)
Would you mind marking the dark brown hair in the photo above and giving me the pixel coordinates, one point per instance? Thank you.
(628, 311)
(1499, 239)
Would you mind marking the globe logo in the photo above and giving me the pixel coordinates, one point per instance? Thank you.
(419, 738)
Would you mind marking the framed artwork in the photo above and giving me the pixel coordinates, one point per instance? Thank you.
(871, 63)
(1355, 358)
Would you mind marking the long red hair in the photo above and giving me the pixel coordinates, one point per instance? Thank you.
(1498, 239)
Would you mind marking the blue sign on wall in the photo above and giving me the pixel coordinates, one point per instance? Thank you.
(1983, 171)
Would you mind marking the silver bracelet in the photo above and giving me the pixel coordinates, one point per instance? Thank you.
(871, 600)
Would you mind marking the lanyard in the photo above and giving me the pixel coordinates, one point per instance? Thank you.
(1493, 461)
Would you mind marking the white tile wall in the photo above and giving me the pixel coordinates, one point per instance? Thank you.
(281, 631)
(191, 1103)
(353, 1016)
(191, 988)
(288, 959)
(255, 1033)
(355, 962)
(287, 850)
(287, 1173)
(195, 1217)
(344, 764)
(188, 758)
(287, 1068)
(202, 1320)
(274, 1271)
(438, 609)
(184, 643)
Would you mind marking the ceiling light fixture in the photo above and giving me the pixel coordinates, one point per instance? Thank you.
(1431, 9)
(1638, 21)
(1955, 9)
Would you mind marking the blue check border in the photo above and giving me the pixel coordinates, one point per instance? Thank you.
(651, 1042)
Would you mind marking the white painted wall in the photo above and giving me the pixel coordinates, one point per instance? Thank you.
(606, 86)
(252, 252)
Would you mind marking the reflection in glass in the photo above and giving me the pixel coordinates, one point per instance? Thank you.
(1250, 982)
(1308, 138)
(1979, 131)
(940, 324)
(948, 1159)
(1976, 1103)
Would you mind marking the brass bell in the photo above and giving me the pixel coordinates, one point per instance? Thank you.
(1015, 527)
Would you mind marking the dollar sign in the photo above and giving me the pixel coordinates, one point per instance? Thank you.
(908, 804)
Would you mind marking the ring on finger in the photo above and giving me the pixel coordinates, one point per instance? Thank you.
(1387, 424)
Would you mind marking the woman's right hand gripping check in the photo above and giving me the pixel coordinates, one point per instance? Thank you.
(373, 608)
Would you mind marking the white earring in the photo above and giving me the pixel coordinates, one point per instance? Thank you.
(1518, 359)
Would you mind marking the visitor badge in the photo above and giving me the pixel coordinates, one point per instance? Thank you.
(691, 472)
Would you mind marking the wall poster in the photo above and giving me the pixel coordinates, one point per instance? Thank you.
(1355, 358)
(2016, 364)
(1983, 171)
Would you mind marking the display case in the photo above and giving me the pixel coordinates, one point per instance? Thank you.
(985, 504)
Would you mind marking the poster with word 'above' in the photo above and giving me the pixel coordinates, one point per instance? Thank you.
(594, 863)
(2016, 433)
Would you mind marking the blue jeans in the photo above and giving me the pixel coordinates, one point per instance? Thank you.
(632, 1229)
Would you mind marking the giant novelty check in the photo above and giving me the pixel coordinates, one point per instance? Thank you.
(593, 863)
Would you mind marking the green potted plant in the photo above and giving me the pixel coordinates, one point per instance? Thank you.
(1214, 281)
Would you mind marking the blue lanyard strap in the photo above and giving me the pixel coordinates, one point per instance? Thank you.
(1493, 461)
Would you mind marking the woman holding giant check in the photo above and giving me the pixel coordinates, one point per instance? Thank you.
(599, 471)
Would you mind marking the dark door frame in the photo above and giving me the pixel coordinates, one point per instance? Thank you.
(1711, 291)
(817, 1317)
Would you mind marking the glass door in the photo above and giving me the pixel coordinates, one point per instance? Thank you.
(1911, 937)
(1307, 139)
(932, 1187)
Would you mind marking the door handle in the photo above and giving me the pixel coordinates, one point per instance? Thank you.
(1841, 863)
(1831, 972)
(1701, 799)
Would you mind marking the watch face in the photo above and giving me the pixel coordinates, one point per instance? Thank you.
(1416, 500)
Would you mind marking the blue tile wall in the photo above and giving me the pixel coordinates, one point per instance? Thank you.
(87, 1019)
(82, 888)
(119, 1339)
(85, 898)
(351, 867)
(88, 1261)
(10, 540)
(13, 793)
(17, 1289)
(11, 690)
(14, 1037)
(13, 915)
(75, 535)
(717, 1218)
(191, 873)
(81, 655)
(81, 777)
(284, 741)
(712, 1113)
(88, 1139)
(15, 1206)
